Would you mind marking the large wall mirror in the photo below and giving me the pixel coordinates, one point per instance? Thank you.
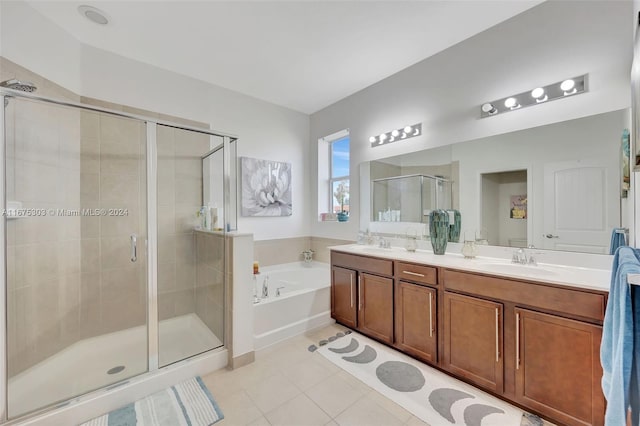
(558, 186)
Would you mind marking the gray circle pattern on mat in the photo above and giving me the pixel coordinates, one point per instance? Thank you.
(400, 376)
(352, 346)
(443, 398)
(366, 356)
(474, 414)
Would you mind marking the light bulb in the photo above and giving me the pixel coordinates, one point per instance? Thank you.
(539, 95)
(489, 108)
(567, 85)
(538, 92)
(372, 139)
(511, 103)
(407, 129)
(383, 137)
(395, 133)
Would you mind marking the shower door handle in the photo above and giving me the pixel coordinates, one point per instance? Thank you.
(134, 247)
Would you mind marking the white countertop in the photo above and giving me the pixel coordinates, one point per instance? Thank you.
(572, 276)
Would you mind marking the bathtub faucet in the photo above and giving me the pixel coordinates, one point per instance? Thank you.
(265, 287)
(308, 255)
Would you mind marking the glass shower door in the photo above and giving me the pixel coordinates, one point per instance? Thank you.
(191, 243)
(75, 243)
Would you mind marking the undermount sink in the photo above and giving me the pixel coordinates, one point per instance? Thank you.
(509, 268)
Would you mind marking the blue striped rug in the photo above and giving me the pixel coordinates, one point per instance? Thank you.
(186, 404)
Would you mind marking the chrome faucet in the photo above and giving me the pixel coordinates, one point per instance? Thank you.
(265, 287)
(278, 291)
(384, 243)
(519, 256)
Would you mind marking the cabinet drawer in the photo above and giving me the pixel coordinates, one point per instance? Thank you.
(362, 263)
(556, 299)
(416, 273)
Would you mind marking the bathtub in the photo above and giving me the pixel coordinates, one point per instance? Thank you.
(304, 302)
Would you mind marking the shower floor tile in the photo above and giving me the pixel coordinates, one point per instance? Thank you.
(96, 362)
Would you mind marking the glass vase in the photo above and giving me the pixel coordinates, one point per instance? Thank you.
(454, 228)
(439, 230)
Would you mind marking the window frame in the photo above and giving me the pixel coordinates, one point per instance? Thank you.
(332, 179)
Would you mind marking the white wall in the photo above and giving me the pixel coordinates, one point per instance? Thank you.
(29, 39)
(264, 130)
(545, 44)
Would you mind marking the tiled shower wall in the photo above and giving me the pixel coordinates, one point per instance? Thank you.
(43, 253)
(113, 176)
(210, 297)
(179, 199)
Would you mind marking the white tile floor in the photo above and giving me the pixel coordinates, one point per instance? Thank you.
(288, 385)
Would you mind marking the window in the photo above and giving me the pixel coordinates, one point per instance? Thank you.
(333, 174)
(339, 175)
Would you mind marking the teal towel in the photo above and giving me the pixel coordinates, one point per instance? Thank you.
(618, 239)
(619, 354)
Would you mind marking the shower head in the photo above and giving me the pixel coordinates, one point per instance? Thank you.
(24, 86)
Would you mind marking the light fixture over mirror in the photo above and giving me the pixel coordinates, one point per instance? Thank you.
(559, 90)
(406, 132)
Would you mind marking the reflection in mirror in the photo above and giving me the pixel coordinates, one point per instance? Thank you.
(556, 186)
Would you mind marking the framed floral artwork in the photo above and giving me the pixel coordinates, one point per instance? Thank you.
(266, 187)
(518, 208)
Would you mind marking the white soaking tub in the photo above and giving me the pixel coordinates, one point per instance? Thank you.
(304, 302)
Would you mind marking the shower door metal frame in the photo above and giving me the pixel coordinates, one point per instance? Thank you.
(230, 206)
(4, 377)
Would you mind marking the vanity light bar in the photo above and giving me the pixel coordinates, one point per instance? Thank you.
(407, 132)
(539, 95)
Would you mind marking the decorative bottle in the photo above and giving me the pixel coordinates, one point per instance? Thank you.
(454, 228)
(439, 230)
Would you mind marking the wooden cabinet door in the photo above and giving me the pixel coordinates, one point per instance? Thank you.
(343, 296)
(415, 320)
(558, 370)
(473, 340)
(375, 306)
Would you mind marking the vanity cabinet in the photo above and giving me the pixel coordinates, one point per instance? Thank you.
(375, 306)
(362, 294)
(558, 370)
(532, 343)
(343, 296)
(473, 340)
(416, 320)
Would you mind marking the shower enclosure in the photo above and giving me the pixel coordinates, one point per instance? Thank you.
(109, 272)
(409, 198)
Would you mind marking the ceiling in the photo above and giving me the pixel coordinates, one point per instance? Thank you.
(304, 55)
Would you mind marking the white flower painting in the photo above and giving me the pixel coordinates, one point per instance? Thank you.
(266, 187)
